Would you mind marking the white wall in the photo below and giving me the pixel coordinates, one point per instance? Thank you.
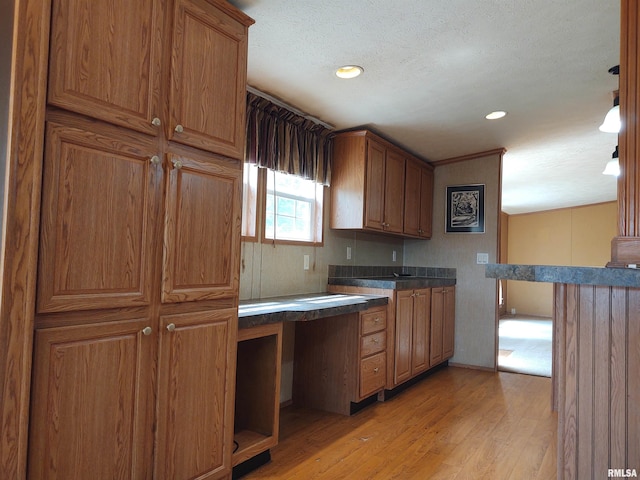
(476, 305)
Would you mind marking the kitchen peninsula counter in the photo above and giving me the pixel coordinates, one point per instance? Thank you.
(596, 363)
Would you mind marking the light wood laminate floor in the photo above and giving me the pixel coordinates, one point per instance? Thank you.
(456, 424)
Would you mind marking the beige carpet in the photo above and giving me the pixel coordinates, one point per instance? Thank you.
(525, 345)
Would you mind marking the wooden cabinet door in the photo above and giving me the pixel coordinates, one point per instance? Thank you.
(208, 79)
(412, 201)
(426, 202)
(202, 228)
(448, 324)
(394, 191)
(99, 209)
(374, 188)
(421, 330)
(437, 313)
(105, 60)
(92, 402)
(403, 336)
(196, 380)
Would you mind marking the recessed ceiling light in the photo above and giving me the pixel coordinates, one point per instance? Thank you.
(495, 115)
(349, 71)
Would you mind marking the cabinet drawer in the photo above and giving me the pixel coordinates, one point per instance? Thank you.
(374, 321)
(374, 343)
(372, 374)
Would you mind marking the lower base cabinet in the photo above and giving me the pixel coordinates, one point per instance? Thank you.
(443, 304)
(420, 328)
(340, 360)
(96, 413)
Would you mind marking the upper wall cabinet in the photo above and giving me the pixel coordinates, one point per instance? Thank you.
(418, 201)
(373, 187)
(198, 60)
(208, 79)
(105, 63)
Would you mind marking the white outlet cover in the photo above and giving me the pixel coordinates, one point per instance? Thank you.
(482, 258)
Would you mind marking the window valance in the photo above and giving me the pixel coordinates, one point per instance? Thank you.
(282, 140)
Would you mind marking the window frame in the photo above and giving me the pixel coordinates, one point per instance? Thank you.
(317, 222)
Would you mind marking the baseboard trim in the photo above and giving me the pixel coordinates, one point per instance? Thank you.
(473, 367)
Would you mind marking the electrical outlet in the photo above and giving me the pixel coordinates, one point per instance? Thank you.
(306, 262)
(393, 257)
(482, 258)
(348, 253)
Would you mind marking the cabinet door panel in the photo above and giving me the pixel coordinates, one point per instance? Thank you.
(403, 335)
(91, 412)
(421, 333)
(202, 228)
(437, 311)
(105, 64)
(426, 202)
(412, 199)
(196, 382)
(394, 192)
(98, 219)
(448, 325)
(208, 79)
(374, 197)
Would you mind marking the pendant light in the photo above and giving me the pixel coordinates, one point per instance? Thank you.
(611, 122)
(613, 165)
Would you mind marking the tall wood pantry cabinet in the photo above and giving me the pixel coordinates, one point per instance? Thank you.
(137, 287)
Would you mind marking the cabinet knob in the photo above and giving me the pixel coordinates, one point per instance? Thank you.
(171, 327)
(375, 370)
(179, 128)
(377, 320)
(156, 122)
(177, 164)
(155, 160)
(375, 340)
(147, 331)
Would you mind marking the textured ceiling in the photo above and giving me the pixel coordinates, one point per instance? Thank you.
(434, 69)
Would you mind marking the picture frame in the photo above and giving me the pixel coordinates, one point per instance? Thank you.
(465, 209)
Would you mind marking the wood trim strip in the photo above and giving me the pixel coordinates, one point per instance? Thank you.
(21, 228)
(471, 156)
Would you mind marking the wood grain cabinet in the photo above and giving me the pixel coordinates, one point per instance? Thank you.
(109, 66)
(418, 201)
(412, 334)
(137, 284)
(367, 183)
(341, 360)
(257, 413)
(370, 188)
(443, 302)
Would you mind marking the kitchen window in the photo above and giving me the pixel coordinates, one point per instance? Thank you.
(293, 209)
(287, 207)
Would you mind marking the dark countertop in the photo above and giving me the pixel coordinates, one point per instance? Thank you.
(297, 308)
(614, 277)
(393, 283)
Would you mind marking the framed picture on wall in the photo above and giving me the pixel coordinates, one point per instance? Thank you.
(465, 209)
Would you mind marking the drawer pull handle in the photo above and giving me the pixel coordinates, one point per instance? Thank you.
(377, 320)
(375, 340)
(179, 128)
(156, 122)
(147, 331)
(171, 327)
(375, 370)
